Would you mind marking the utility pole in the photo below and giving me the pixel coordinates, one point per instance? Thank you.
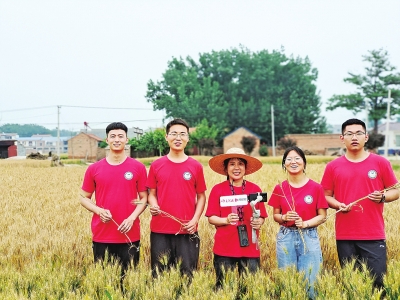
(58, 131)
(272, 130)
(387, 126)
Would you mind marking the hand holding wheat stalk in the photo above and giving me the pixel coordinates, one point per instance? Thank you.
(394, 186)
(292, 208)
(168, 215)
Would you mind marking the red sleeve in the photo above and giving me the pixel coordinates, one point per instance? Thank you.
(213, 207)
(88, 184)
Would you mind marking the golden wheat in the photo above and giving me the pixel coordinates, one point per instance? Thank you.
(46, 246)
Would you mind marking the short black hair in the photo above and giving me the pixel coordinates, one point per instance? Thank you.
(116, 126)
(176, 121)
(299, 152)
(353, 122)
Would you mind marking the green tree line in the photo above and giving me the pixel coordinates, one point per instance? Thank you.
(234, 88)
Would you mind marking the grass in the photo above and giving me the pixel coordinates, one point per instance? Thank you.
(46, 251)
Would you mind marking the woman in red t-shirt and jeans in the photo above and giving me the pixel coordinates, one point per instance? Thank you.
(234, 245)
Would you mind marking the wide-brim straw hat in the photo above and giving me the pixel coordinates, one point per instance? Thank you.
(217, 162)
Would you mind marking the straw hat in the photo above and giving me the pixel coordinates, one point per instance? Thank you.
(217, 162)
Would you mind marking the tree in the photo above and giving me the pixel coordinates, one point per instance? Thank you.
(204, 137)
(286, 142)
(375, 140)
(151, 142)
(27, 130)
(372, 89)
(233, 88)
(248, 143)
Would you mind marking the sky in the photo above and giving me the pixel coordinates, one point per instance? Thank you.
(90, 61)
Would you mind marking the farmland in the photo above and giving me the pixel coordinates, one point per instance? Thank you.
(46, 251)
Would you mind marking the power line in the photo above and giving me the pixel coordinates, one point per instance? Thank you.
(30, 108)
(102, 107)
(76, 106)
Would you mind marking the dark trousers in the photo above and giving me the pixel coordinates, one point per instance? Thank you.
(225, 263)
(169, 249)
(124, 253)
(372, 253)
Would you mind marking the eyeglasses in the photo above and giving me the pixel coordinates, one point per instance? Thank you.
(296, 159)
(175, 134)
(351, 134)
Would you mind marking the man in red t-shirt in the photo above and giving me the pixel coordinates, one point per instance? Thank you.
(116, 180)
(360, 232)
(176, 198)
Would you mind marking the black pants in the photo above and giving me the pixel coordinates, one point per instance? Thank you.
(125, 253)
(372, 253)
(225, 263)
(169, 249)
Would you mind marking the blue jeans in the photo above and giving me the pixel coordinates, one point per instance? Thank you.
(301, 251)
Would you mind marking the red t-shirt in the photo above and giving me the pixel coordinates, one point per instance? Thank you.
(177, 186)
(352, 181)
(306, 200)
(115, 187)
(226, 239)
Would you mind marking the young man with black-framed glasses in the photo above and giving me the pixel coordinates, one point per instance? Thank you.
(356, 175)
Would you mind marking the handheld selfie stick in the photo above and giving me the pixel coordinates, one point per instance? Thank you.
(256, 215)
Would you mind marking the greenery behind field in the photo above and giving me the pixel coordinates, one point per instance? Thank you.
(46, 251)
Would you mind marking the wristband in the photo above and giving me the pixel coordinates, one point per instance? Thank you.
(383, 199)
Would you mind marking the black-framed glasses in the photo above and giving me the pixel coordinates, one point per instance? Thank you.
(175, 134)
(350, 134)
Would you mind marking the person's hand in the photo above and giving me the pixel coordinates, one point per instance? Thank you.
(105, 215)
(154, 210)
(232, 218)
(291, 216)
(344, 208)
(126, 225)
(299, 223)
(190, 226)
(256, 223)
(376, 196)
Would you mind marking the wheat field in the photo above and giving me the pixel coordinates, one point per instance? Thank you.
(46, 251)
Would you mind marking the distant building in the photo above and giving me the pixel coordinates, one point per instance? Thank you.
(9, 136)
(320, 144)
(43, 144)
(85, 146)
(234, 139)
(393, 138)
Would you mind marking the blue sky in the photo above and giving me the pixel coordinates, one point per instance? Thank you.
(103, 53)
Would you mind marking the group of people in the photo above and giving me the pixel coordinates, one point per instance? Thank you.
(174, 190)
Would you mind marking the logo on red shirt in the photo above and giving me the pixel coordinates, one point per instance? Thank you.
(308, 199)
(128, 175)
(372, 174)
(187, 176)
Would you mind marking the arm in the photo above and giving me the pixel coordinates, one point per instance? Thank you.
(200, 203)
(333, 203)
(127, 224)
(153, 202)
(218, 221)
(86, 202)
(390, 195)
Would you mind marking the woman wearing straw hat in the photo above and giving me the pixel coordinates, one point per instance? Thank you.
(299, 207)
(234, 223)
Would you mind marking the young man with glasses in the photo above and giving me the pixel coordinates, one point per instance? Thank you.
(359, 174)
(176, 198)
